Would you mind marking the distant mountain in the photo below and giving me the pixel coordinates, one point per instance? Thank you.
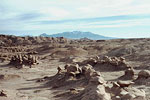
(78, 35)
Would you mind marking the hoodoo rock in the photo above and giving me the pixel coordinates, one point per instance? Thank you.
(88, 74)
(128, 74)
(86, 67)
(112, 63)
(95, 90)
(59, 70)
(144, 74)
(72, 68)
(122, 91)
(3, 94)
(143, 78)
(20, 60)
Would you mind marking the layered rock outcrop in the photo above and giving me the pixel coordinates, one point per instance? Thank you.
(143, 78)
(96, 88)
(20, 60)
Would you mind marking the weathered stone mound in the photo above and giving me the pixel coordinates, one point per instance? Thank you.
(71, 74)
(95, 90)
(116, 63)
(128, 74)
(3, 94)
(20, 60)
(4, 57)
(90, 61)
(107, 63)
(121, 91)
(93, 84)
(86, 77)
(98, 91)
(7, 52)
(143, 78)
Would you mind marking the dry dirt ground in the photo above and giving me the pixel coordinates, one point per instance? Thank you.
(31, 83)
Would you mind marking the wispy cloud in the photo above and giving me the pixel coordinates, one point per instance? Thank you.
(28, 16)
(97, 19)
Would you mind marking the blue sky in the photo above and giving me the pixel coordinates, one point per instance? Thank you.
(113, 18)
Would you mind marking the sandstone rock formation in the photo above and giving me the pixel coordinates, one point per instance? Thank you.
(3, 94)
(128, 74)
(121, 91)
(96, 87)
(90, 61)
(20, 60)
(143, 78)
(107, 63)
(113, 63)
(95, 90)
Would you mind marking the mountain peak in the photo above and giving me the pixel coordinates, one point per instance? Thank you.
(78, 35)
(43, 34)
